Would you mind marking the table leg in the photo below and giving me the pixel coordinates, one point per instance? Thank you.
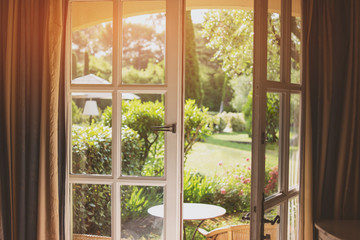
(193, 237)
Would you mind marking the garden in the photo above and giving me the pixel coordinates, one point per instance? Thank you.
(227, 184)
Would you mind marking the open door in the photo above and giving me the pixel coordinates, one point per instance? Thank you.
(277, 122)
(125, 126)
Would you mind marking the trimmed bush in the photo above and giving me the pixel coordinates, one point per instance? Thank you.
(237, 124)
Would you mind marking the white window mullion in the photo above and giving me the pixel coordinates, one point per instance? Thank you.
(173, 114)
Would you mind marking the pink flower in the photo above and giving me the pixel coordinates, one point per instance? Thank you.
(220, 163)
(246, 180)
(247, 159)
(241, 192)
(223, 191)
(236, 177)
(249, 168)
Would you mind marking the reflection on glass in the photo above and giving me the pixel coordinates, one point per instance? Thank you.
(272, 143)
(91, 133)
(136, 222)
(273, 42)
(294, 151)
(91, 42)
(272, 230)
(143, 49)
(295, 41)
(293, 219)
(142, 148)
(91, 210)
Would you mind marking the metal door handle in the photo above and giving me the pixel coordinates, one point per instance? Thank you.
(166, 128)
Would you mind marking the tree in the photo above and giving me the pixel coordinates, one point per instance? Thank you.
(272, 116)
(193, 89)
(211, 75)
(229, 34)
(141, 44)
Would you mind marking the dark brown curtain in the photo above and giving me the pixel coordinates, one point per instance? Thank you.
(32, 119)
(331, 71)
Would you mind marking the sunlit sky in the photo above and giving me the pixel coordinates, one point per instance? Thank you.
(197, 15)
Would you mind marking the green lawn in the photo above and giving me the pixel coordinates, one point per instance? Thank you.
(228, 148)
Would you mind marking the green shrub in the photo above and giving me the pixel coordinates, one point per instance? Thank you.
(196, 124)
(135, 201)
(142, 154)
(237, 124)
(233, 188)
(76, 114)
(198, 188)
(92, 209)
(91, 149)
(272, 116)
(106, 117)
(217, 123)
(141, 116)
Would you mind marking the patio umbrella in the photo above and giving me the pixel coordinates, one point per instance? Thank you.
(93, 80)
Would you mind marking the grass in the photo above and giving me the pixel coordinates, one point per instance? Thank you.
(228, 148)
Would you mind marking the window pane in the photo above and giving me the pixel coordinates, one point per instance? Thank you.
(293, 219)
(294, 151)
(272, 137)
(273, 41)
(91, 133)
(272, 230)
(295, 41)
(142, 148)
(136, 220)
(91, 210)
(143, 43)
(91, 42)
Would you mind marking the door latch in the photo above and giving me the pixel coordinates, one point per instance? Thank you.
(166, 128)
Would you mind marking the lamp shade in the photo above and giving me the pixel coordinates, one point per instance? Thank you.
(91, 108)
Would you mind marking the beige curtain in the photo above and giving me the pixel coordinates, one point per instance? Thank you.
(331, 187)
(30, 87)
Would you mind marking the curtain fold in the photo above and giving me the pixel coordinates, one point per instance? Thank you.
(31, 118)
(331, 186)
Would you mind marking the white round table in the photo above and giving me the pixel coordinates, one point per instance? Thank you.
(192, 211)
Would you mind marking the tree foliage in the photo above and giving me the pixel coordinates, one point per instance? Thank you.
(272, 116)
(193, 89)
(195, 121)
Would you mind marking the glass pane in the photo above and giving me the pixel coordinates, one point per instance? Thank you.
(295, 41)
(91, 42)
(138, 221)
(142, 148)
(294, 151)
(143, 50)
(293, 219)
(272, 230)
(91, 133)
(273, 41)
(272, 143)
(91, 211)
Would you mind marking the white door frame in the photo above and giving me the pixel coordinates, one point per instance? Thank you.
(173, 90)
